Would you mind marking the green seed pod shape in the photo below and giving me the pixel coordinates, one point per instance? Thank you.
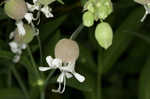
(27, 38)
(89, 5)
(142, 1)
(15, 9)
(46, 2)
(104, 35)
(88, 19)
(67, 50)
(103, 9)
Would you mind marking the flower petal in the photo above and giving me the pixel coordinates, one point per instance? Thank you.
(29, 17)
(14, 47)
(11, 35)
(49, 60)
(79, 77)
(16, 58)
(57, 62)
(44, 68)
(69, 75)
(23, 46)
(20, 28)
(47, 11)
(61, 78)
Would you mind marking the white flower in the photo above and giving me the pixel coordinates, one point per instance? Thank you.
(67, 71)
(29, 17)
(20, 28)
(17, 49)
(36, 6)
(47, 11)
(16, 58)
(11, 35)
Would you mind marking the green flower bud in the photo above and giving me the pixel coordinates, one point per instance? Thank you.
(89, 6)
(88, 19)
(67, 50)
(15, 9)
(103, 9)
(27, 38)
(104, 35)
(46, 2)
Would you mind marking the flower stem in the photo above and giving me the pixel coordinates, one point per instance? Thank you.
(16, 74)
(36, 33)
(76, 32)
(48, 77)
(40, 46)
(9, 78)
(42, 96)
(33, 62)
(100, 63)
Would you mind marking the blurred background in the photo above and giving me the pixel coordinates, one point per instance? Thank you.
(121, 72)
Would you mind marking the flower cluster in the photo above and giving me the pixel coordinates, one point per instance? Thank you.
(20, 10)
(99, 10)
(19, 42)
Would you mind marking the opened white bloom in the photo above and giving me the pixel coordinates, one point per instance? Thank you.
(17, 48)
(67, 71)
(37, 6)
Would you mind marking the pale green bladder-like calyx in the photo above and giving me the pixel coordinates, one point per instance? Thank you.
(15, 9)
(27, 38)
(104, 35)
(88, 19)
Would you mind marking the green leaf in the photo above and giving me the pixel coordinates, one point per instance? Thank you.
(86, 59)
(11, 93)
(2, 14)
(122, 39)
(144, 81)
(50, 45)
(60, 1)
(48, 28)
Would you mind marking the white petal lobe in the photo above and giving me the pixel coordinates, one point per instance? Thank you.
(61, 78)
(49, 60)
(79, 77)
(47, 11)
(20, 28)
(44, 68)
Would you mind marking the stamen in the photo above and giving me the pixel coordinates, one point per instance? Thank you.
(63, 90)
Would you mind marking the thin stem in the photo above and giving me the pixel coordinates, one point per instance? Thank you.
(42, 96)
(48, 77)
(32, 61)
(76, 32)
(16, 74)
(40, 46)
(9, 78)
(100, 63)
(36, 32)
